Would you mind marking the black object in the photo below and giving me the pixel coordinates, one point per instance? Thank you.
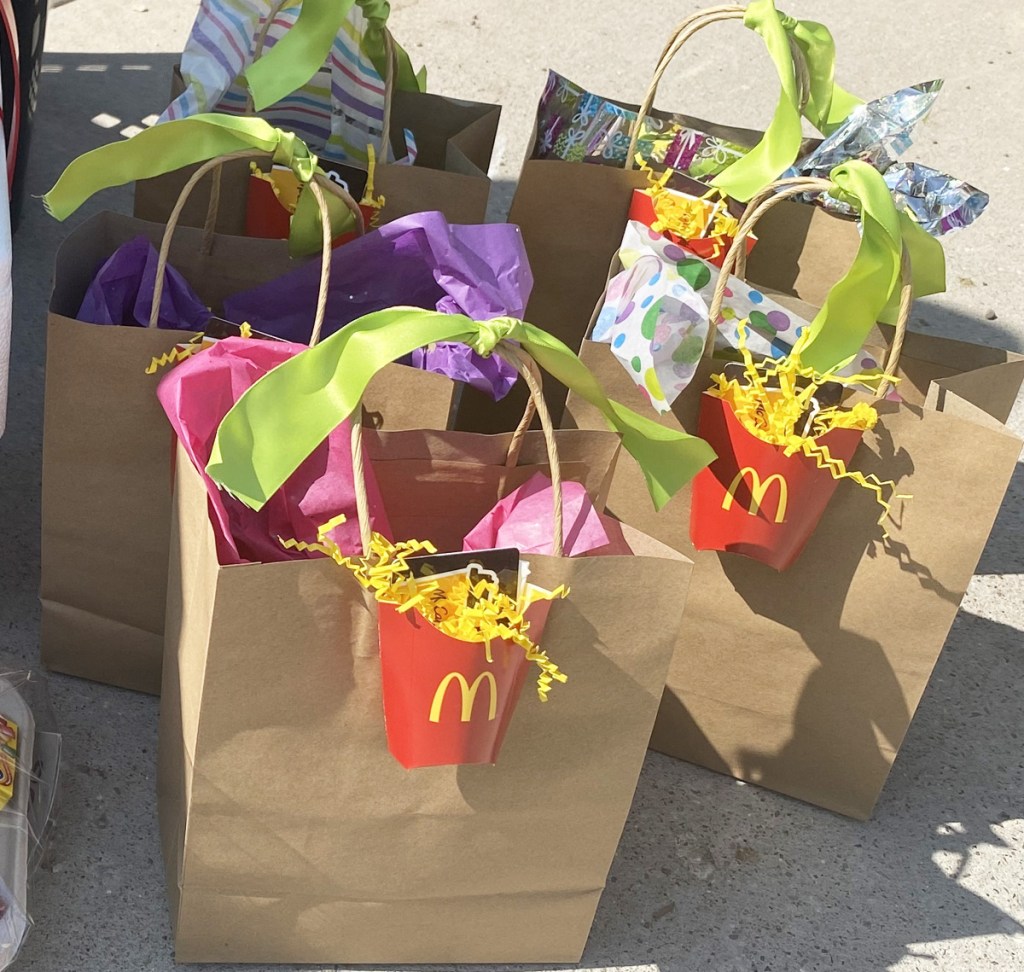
(22, 31)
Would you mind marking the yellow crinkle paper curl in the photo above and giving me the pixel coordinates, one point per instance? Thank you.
(687, 217)
(474, 611)
(194, 346)
(173, 356)
(177, 353)
(376, 203)
(773, 415)
(286, 192)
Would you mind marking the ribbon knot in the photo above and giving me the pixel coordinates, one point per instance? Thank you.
(845, 196)
(492, 333)
(294, 153)
(375, 10)
(862, 187)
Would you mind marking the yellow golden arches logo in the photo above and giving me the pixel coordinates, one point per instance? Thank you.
(468, 695)
(758, 490)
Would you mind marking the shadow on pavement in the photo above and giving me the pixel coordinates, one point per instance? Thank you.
(1003, 552)
(717, 875)
(84, 101)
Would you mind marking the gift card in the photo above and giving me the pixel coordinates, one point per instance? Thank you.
(351, 179)
(500, 566)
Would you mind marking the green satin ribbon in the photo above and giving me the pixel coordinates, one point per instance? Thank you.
(302, 51)
(282, 418)
(175, 144)
(870, 289)
(373, 44)
(927, 264)
(827, 105)
(780, 146)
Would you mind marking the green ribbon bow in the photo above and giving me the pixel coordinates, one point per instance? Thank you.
(301, 52)
(870, 290)
(827, 106)
(282, 418)
(175, 144)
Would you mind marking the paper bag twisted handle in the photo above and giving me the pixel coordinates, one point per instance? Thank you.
(528, 370)
(686, 30)
(803, 53)
(735, 263)
(770, 152)
(316, 187)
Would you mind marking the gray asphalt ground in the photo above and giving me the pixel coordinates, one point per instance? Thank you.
(712, 875)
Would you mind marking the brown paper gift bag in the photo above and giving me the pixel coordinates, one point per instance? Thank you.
(572, 216)
(806, 681)
(454, 141)
(274, 854)
(107, 450)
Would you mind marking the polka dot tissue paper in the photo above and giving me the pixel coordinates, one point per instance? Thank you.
(655, 315)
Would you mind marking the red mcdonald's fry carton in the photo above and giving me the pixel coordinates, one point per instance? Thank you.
(754, 499)
(271, 201)
(710, 248)
(448, 702)
(266, 216)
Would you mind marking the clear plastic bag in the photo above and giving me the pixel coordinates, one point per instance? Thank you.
(30, 750)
